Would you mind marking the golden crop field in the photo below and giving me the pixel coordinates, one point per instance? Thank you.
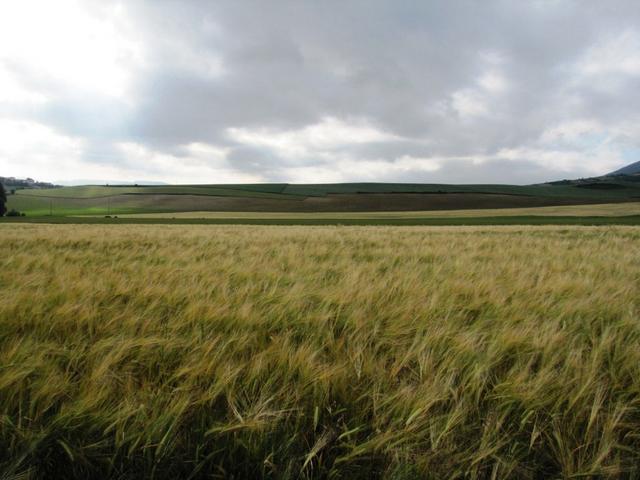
(603, 209)
(319, 352)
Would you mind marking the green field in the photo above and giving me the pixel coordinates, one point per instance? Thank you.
(598, 214)
(159, 351)
(356, 197)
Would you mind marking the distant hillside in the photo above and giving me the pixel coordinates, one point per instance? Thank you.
(340, 197)
(633, 169)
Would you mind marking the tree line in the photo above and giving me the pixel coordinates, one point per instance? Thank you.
(3, 201)
(3, 204)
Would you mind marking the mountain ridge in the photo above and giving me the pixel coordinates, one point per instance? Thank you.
(631, 169)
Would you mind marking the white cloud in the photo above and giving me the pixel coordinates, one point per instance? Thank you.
(409, 163)
(619, 54)
(482, 97)
(197, 163)
(66, 43)
(469, 103)
(13, 92)
(329, 134)
(27, 149)
(572, 131)
(493, 82)
(342, 168)
(595, 162)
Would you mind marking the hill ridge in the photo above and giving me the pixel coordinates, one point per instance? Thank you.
(631, 169)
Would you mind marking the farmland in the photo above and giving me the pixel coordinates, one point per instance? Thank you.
(313, 198)
(602, 210)
(319, 352)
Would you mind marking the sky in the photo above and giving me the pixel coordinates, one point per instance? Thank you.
(450, 91)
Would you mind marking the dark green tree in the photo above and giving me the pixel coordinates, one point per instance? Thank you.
(3, 201)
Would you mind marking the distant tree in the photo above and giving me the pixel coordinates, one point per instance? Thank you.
(3, 201)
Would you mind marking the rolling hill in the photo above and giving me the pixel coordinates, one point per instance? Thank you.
(620, 186)
(632, 169)
(346, 197)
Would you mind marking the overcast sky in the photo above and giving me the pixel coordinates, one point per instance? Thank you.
(318, 91)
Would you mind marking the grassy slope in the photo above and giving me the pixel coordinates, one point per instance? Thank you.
(251, 352)
(532, 190)
(306, 190)
(282, 197)
(87, 192)
(93, 191)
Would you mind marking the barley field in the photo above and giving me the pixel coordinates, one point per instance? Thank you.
(604, 209)
(319, 352)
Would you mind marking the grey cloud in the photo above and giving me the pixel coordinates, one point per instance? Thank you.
(257, 161)
(286, 65)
